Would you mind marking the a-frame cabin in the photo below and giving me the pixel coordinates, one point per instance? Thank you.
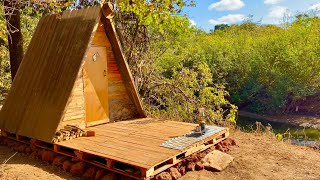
(73, 73)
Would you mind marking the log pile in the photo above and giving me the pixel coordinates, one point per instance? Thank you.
(68, 132)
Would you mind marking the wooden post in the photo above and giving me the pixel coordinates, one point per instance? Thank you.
(110, 163)
(173, 160)
(4, 133)
(212, 141)
(18, 137)
(226, 134)
(147, 173)
(56, 148)
(79, 155)
(107, 10)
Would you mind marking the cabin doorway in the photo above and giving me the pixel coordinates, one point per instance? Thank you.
(95, 78)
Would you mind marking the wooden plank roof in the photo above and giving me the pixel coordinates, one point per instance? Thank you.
(47, 74)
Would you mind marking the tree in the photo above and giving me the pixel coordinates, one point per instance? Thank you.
(15, 40)
(221, 27)
(13, 9)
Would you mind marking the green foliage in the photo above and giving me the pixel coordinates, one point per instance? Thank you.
(179, 82)
(279, 136)
(221, 27)
(5, 76)
(187, 90)
(154, 12)
(259, 65)
(170, 83)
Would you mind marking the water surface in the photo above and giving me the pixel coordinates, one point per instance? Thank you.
(296, 134)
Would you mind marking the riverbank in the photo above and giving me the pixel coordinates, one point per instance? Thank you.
(256, 157)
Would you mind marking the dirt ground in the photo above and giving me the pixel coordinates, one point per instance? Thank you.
(262, 157)
(256, 157)
(22, 167)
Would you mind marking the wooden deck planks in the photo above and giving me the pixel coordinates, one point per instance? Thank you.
(135, 142)
(153, 133)
(132, 141)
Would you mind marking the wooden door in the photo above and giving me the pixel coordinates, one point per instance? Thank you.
(96, 86)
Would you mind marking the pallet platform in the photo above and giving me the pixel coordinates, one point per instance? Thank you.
(131, 148)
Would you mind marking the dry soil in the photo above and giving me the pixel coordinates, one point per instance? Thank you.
(263, 157)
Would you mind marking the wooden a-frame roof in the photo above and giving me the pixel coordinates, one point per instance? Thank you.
(45, 79)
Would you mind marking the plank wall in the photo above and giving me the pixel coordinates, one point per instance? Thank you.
(75, 110)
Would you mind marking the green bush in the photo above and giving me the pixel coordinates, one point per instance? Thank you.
(260, 65)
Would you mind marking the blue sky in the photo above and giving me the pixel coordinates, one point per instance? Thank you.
(207, 13)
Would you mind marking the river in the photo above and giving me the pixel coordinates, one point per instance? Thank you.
(296, 134)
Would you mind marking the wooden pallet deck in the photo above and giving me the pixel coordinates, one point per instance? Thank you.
(131, 148)
(137, 143)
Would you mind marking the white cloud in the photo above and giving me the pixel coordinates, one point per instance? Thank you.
(227, 5)
(315, 7)
(192, 22)
(272, 21)
(272, 2)
(279, 12)
(228, 19)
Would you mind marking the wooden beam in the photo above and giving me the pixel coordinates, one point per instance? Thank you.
(56, 148)
(110, 163)
(107, 10)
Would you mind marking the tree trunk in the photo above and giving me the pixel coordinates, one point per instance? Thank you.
(15, 39)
